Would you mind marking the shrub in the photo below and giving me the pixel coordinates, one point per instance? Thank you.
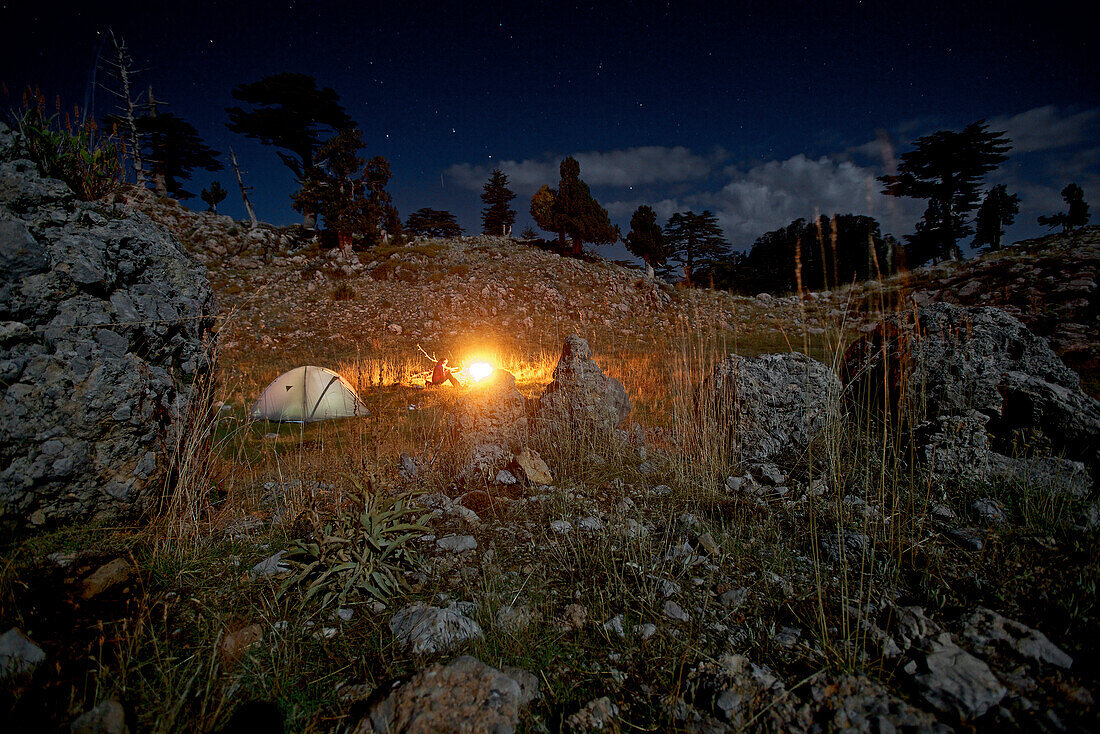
(79, 154)
(343, 292)
(360, 553)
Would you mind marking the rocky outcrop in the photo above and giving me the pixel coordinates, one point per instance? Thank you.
(767, 408)
(581, 395)
(465, 695)
(970, 380)
(493, 412)
(105, 329)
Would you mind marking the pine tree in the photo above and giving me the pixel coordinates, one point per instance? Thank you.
(428, 222)
(695, 241)
(1076, 216)
(289, 112)
(571, 210)
(213, 196)
(173, 149)
(349, 193)
(947, 169)
(646, 239)
(498, 216)
(998, 210)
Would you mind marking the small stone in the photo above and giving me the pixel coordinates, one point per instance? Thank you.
(561, 527)
(969, 538)
(18, 653)
(615, 626)
(457, 543)
(407, 467)
(506, 478)
(661, 490)
(768, 474)
(667, 588)
(673, 610)
(734, 598)
(513, 619)
(271, 566)
(596, 715)
(235, 644)
(105, 577)
(344, 614)
(107, 718)
(533, 467)
(427, 630)
(645, 631)
(706, 540)
(590, 524)
(574, 617)
(990, 511)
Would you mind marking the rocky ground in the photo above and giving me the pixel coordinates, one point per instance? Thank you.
(737, 558)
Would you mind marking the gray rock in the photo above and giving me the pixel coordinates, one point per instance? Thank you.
(457, 543)
(969, 538)
(407, 467)
(114, 331)
(846, 546)
(987, 630)
(561, 527)
(464, 695)
(426, 629)
(957, 361)
(505, 477)
(770, 407)
(596, 715)
(673, 611)
(513, 619)
(734, 598)
(589, 524)
(952, 680)
(271, 566)
(581, 395)
(18, 654)
(106, 718)
(990, 511)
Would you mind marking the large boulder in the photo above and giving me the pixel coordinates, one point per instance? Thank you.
(494, 411)
(581, 395)
(768, 408)
(975, 379)
(465, 695)
(105, 330)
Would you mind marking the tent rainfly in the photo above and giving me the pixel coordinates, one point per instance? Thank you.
(308, 394)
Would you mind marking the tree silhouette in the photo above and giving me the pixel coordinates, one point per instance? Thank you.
(946, 168)
(1076, 216)
(695, 241)
(998, 210)
(173, 149)
(213, 196)
(349, 193)
(289, 112)
(498, 216)
(571, 210)
(428, 222)
(646, 240)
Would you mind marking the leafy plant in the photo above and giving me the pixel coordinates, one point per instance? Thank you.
(79, 154)
(357, 554)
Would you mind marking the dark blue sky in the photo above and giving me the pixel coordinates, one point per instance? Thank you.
(762, 112)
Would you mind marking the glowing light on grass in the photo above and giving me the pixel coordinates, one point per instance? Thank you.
(478, 371)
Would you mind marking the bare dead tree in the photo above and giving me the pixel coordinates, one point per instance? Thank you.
(121, 70)
(244, 189)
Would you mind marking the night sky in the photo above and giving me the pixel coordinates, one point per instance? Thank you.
(761, 112)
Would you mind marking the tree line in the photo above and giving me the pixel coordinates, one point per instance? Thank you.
(344, 190)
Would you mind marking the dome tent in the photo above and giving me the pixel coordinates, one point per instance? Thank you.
(306, 394)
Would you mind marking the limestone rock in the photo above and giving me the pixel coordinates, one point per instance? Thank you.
(954, 361)
(108, 575)
(952, 680)
(770, 407)
(107, 330)
(581, 395)
(18, 654)
(986, 629)
(106, 718)
(493, 412)
(533, 467)
(464, 695)
(426, 629)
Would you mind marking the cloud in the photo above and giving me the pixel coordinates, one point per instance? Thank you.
(1046, 128)
(776, 193)
(640, 166)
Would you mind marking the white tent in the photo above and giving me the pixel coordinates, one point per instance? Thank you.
(308, 394)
